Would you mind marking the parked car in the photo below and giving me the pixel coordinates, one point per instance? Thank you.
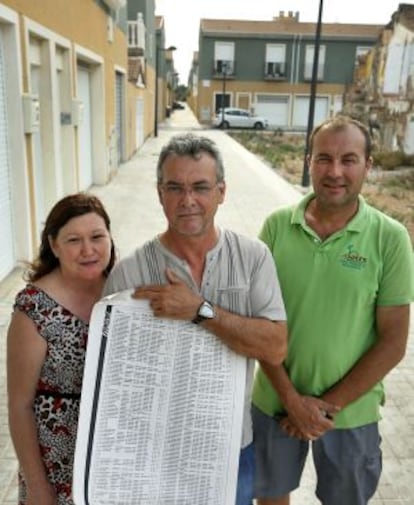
(238, 118)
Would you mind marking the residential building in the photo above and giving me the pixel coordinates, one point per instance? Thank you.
(77, 98)
(151, 67)
(382, 92)
(142, 100)
(141, 66)
(192, 84)
(266, 67)
(165, 72)
(64, 121)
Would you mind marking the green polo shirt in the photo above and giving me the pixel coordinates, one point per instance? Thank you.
(331, 289)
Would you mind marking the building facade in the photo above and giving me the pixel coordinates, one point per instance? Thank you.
(382, 92)
(63, 109)
(151, 67)
(141, 66)
(266, 67)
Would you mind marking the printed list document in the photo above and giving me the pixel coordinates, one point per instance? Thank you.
(161, 411)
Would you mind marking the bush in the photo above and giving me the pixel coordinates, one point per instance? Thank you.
(402, 181)
(273, 146)
(390, 160)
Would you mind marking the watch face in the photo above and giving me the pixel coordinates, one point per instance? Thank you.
(206, 310)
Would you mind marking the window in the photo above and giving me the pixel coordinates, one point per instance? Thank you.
(224, 58)
(310, 51)
(275, 64)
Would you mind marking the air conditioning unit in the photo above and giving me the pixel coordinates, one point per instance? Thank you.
(115, 4)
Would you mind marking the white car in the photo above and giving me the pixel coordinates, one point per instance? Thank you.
(238, 118)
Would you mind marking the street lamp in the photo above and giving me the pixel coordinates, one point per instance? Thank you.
(305, 173)
(157, 57)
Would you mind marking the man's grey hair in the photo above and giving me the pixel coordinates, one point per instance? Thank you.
(191, 145)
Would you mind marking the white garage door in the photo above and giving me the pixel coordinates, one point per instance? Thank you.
(85, 129)
(274, 108)
(119, 120)
(38, 166)
(7, 258)
(301, 111)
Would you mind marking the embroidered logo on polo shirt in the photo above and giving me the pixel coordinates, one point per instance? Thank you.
(352, 259)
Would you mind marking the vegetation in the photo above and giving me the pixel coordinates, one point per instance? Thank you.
(181, 93)
(390, 186)
(392, 160)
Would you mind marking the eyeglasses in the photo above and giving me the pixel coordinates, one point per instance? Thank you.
(179, 190)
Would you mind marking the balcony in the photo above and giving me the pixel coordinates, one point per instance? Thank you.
(275, 71)
(136, 71)
(136, 37)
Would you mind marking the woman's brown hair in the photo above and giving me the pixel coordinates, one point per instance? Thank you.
(65, 209)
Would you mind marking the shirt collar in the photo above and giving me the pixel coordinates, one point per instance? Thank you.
(356, 223)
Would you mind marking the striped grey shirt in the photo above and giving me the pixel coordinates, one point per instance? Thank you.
(239, 276)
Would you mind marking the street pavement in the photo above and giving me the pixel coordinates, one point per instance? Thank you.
(253, 191)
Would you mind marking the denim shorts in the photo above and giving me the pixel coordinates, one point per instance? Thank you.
(245, 478)
(348, 462)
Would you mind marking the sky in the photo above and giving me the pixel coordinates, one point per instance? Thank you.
(182, 18)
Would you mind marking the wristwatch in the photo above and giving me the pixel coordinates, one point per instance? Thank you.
(205, 311)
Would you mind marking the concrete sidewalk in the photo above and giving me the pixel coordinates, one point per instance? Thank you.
(253, 191)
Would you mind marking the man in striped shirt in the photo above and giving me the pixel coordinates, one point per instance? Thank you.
(198, 272)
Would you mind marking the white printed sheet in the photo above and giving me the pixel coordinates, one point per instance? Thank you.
(161, 411)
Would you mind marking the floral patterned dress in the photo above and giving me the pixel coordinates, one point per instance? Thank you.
(56, 405)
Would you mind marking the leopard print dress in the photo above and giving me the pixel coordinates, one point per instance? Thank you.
(56, 405)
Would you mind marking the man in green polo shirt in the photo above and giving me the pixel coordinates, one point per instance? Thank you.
(347, 278)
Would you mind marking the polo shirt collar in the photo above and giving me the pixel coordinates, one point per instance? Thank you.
(356, 224)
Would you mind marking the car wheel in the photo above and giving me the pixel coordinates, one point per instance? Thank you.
(258, 126)
(225, 125)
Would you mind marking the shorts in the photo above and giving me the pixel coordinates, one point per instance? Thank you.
(348, 462)
(245, 478)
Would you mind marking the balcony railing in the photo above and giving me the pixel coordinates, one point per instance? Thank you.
(136, 35)
(275, 71)
(223, 68)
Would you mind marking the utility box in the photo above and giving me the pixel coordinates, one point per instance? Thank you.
(31, 113)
